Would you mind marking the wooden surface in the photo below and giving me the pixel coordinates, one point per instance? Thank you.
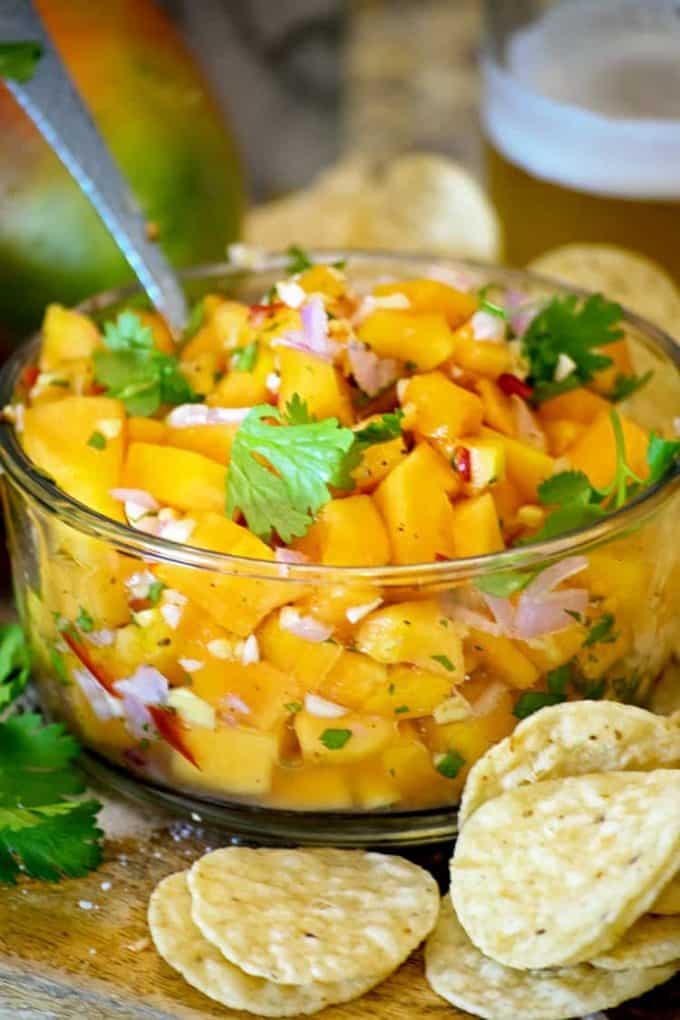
(60, 960)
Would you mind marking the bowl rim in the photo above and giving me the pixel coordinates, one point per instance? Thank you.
(43, 491)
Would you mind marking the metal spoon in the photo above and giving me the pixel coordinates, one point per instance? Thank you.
(51, 101)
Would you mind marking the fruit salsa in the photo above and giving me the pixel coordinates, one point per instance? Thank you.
(340, 449)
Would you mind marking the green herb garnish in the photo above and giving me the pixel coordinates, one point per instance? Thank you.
(451, 764)
(244, 359)
(15, 663)
(602, 632)
(97, 441)
(334, 740)
(401, 709)
(576, 329)
(505, 584)
(298, 260)
(293, 707)
(59, 666)
(307, 458)
(625, 385)
(557, 681)
(19, 60)
(380, 431)
(444, 661)
(134, 371)
(156, 589)
(84, 621)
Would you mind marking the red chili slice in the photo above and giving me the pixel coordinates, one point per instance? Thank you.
(169, 726)
(29, 376)
(256, 310)
(97, 671)
(463, 462)
(511, 385)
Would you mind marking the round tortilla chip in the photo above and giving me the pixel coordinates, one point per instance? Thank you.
(668, 902)
(571, 740)
(297, 916)
(622, 275)
(555, 873)
(201, 964)
(458, 972)
(651, 942)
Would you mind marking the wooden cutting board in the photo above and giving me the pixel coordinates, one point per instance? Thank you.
(81, 948)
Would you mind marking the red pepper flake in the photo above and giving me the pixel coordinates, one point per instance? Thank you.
(29, 376)
(511, 385)
(170, 728)
(462, 462)
(98, 672)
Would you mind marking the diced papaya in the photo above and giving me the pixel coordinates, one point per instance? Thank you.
(413, 501)
(306, 661)
(476, 529)
(560, 434)
(320, 385)
(425, 340)
(503, 660)
(231, 599)
(349, 738)
(433, 296)
(347, 532)
(179, 478)
(145, 430)
(259, 692)
(410, 691)
(79, 441)
(622, 364)
(353, 679)
(498, 410)
(526, 467)
(213, 441)
(231, 760)
(66, 335)
(414, 632)
(244, 389)
(440, 408)
(594, 452)
(312, 788)
(481, 357)
(580, 405)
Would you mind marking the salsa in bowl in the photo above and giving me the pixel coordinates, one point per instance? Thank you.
(321, 554)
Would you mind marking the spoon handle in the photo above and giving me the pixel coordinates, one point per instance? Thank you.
(52, 102)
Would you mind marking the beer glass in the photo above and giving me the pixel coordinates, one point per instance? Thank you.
(581, 114)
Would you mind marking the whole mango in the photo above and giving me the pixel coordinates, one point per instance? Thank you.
(154, 109)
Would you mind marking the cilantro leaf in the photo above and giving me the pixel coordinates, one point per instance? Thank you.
(15, 663)
(244, 359)
(574, 328)
(97, 441)
(134, 371)
(305, 459)
(334, 740)
(450, 764)
(388, 427)
(602, 632)
(18, 60)
(297, 411)
(156, 589)
(662, 457)
(36, 762)
(566, 487)
(49, 841)
(506, 583)
(625, 385)
(84, 621)
(531, 701)
(298, 260)
(444, 661)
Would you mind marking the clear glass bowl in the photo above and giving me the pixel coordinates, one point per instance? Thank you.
(268, 775)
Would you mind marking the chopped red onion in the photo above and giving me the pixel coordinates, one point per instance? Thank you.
(356, 613)
(250, 653)
(528, 429)
(521, 319)
(549, 578)
(323, 709)
(503, 612)
(551, 614)
(471, 618)
(371, 372)
(138, 719)
(282, 555)
(177, 531)
(305, 627)
(291, 293)
(139, 497)
(487, 327)
(190, 415)
(103, 704)
(101, 638)
(313, 338)
(147, 684)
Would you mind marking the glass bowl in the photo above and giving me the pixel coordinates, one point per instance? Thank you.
(259, 763)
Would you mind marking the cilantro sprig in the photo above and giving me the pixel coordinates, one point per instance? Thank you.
(298, 260)
(574, 328)
(134, 371)
(15, 663)
(301, 459)
(19, 60)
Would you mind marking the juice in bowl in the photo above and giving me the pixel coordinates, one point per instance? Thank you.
(306, 567)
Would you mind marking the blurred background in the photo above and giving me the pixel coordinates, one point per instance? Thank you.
(494, 129)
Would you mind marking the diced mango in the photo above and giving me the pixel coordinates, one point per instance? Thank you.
(323, 279)
(58, 438)
(347, 532)
(554, 650)
(145, 430)
(414, 505)
(213, 441)
(442, 409)
(374, 788)
(503, 660)
(622, 364)
(244, 389)
(508, 501)
(432, 296)
(410, 691)
(179, 478)
(66, 335)
(97, 586)
(331, 603)
(619, 574)
(595, 450)
(306, 661)
(425, 340)
(409, 763)
(312, 788)
(263, 690)
(349, 738)
(526, 467)
(475, 735)
(234, 601)
(162, 337)
(225, 326)
(481, 357)
(415, 632)
(353, 679)
(581, 405)
(320, 385)
(231, 760)
(377, 461)
(560, 434)
(498, 410)
(476, 529)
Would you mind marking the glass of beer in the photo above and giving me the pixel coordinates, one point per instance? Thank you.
(581, 114)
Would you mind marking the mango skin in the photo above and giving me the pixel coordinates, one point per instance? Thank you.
(153, 107)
